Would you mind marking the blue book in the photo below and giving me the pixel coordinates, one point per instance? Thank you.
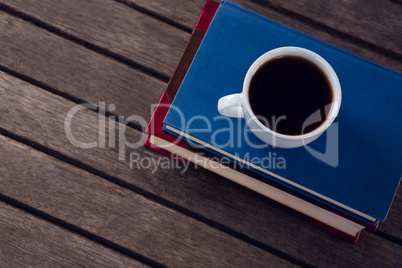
(358, 173)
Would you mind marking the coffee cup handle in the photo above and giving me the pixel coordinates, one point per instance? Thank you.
(230, 105)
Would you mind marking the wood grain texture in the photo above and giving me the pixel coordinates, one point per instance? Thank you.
(27, 241)
(38, 116)
(345, 22)
(119, 215)
(114, 27)
(146, 44)
(183, 12)
(377, 22)
(73, 70)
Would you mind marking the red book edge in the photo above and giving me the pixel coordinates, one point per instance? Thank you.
(207, 14)
(155, 124)
(340, 234)
(155, 127)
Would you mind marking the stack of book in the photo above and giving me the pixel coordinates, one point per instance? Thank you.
(344, 185)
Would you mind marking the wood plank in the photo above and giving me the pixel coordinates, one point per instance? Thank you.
(38, 116)
(28, 241)
(183, 12)
(74, 71)
(120, 215)
(376, 22)
(142, 47)
(114, 27)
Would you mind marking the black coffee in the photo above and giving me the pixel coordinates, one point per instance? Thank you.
(290, 86)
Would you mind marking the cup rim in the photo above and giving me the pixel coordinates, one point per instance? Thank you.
(313, 57)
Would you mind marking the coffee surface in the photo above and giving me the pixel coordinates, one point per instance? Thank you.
(288, 90)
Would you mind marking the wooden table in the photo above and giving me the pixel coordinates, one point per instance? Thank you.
(62, 205)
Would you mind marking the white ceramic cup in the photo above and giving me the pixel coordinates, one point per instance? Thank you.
(238, 105)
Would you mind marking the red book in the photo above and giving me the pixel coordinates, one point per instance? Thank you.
(156, 123)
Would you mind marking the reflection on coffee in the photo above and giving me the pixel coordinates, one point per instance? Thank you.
(290, 86)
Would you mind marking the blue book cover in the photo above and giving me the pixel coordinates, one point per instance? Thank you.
(358, 172)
